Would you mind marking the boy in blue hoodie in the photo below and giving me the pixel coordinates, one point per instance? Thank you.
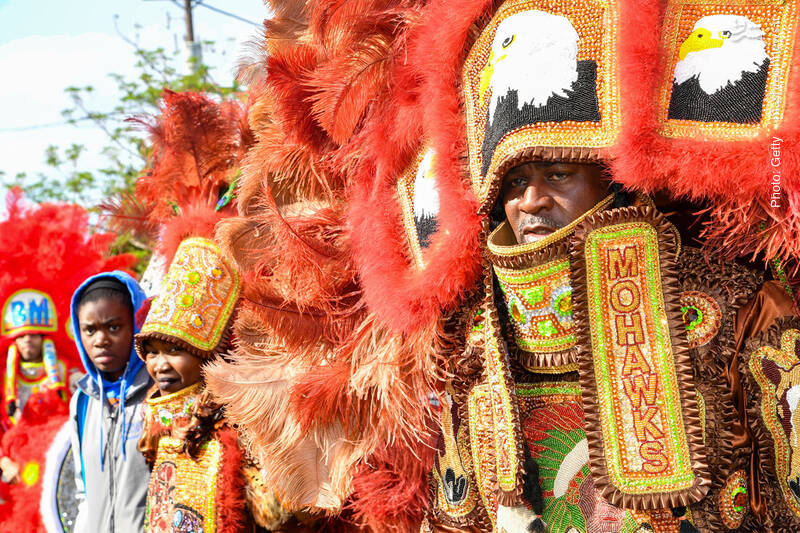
(106, 411)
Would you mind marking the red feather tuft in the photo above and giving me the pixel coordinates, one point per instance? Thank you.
(50, 247)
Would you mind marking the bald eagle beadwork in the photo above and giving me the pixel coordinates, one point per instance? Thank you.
(533, 75)
(721, 73)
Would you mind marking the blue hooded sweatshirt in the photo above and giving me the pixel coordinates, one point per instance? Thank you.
(112, 480)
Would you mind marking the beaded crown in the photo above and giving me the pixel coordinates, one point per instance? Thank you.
(28, 311)
(540, 82)
(199, 295)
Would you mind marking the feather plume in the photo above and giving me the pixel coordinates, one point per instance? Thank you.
(51, 247)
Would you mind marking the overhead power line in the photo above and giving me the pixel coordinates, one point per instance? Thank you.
(228, 14)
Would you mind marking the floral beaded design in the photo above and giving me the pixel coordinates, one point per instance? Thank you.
(733, 500)
(168, 409)
(727, 67)
(510, 107)
(200, 291)
(644, 440)
(777, 373)
(702, 317)
(539, 302)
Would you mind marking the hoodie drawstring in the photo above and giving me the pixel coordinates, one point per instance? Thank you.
(122, 392)
(100, 425)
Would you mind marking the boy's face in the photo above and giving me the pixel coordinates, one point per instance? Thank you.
(106, 328)
(170, 366)
(30, 347)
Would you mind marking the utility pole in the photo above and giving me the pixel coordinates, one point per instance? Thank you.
(193, 49)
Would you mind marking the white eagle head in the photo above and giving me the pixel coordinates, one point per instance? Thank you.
(533, 52)
(719, 50)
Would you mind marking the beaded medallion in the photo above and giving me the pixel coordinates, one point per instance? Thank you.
(510, 106)
(733, 500)
(642, 443)
(200, 291)
(777, 373)
(539, 301)
(702, 317)
(727, 67)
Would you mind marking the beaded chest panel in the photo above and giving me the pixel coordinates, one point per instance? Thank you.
(510, 106)
(200, 291)
(552, 424)
(539, 302)
(777, 373)
(636, 372)
(182, 494)
(727, 67)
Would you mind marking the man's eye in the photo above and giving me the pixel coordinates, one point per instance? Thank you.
(88, 331)
(113, 328)
(559, 176)
(519, 182)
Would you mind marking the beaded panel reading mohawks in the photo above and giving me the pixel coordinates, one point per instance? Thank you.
(727, 67)
(512, 107)
(200, 292)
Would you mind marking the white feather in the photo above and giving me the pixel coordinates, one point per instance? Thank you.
(535, 53)
(426, 197)
(714, 68)
(48, 503)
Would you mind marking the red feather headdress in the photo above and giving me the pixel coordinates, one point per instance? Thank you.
(51, 248)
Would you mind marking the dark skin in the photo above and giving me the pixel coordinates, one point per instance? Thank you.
(30, 347)
(541, 197)
(170, 366)
(106, 328)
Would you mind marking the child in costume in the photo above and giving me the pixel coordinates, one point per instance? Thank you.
(106, 412)
(200, 477)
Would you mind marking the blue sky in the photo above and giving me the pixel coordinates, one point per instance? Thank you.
(49, 45)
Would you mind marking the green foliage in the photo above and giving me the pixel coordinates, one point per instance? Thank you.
(127, 148)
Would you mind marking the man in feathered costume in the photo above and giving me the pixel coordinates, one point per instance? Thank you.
(598, 367)
(48, 250)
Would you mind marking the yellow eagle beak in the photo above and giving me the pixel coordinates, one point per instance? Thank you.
(486, 76)
(700, 39)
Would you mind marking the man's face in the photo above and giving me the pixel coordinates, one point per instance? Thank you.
(541, 197)
(106, 328)
(170, 366)
(30, 347)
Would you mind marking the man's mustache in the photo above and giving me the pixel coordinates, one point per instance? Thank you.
(533, 220)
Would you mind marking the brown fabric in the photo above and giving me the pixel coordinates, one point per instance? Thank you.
(730, 286)
(752, 320)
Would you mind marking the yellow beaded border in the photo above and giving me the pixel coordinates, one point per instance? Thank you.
(405, 193)
(777, 77)
(552, 134)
